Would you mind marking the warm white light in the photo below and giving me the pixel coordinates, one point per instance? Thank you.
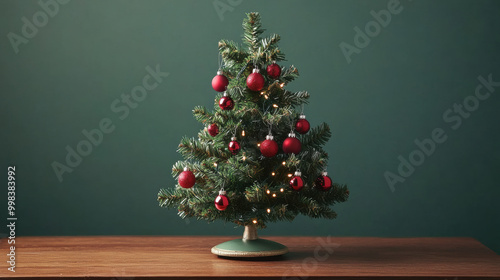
(290, 175)
(282, 85)
(268, 191)
(281, 190)
(275, 106)
(243, 133)
(274, 195)
(266, 97)
(244, 158)
(284, 163)
(262, 93)
(273, 173)
(215, 164)
(268, 210)
(254, 221)
(258, 144)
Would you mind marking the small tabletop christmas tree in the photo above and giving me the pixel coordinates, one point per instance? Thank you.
(235, 171)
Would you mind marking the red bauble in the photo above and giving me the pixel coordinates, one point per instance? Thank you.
(297, 183)
(269, 147)
(291, 144)
(221, 201)
(323, 182)
(213, 130)
(255, 81)
(234, 146)
(220, 82)
(226, 102)
(302, 125)
(273, 70)
(186, 179)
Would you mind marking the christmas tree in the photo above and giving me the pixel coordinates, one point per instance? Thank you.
(235, 171)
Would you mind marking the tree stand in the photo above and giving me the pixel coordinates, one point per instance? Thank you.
(250, 246)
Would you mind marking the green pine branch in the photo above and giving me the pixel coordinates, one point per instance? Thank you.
(317, 137)
(231, 53)
(191, 149)
(269, 50)
(202, 114)
(252, 30)
(289, 74)
(296, 98)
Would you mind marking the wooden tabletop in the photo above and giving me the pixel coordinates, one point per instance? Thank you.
(167, 257)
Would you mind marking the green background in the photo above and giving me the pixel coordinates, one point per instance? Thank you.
(394, 91)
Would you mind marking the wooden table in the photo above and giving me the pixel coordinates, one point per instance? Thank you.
(167, 257)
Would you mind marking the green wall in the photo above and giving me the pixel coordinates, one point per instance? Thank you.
(70, 75)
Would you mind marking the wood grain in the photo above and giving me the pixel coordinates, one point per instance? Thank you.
(142, 257)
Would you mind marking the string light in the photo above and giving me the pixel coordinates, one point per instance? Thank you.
(266, 97)
(282, 85)
(258, 144)
(261, 93)
(282, 190)
(243, 133)
(215, 164)
(254, 221)
(268, 191)
(275, 106)
(244, 158)
(284, 163)
(274, 195)
(290, 175)
(268, 210)
(273, 173)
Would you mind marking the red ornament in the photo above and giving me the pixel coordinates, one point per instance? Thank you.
(255, 81)
(323, 182)
(213, 130)
(226, 102)
(273, 70)
(186, 178)
(302, 125)
(220, 82)
(291, 144)
(221, 201)
(234, 146)
(297, 183)
(269, 147)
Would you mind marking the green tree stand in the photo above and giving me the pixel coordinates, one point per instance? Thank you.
(249, 246)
